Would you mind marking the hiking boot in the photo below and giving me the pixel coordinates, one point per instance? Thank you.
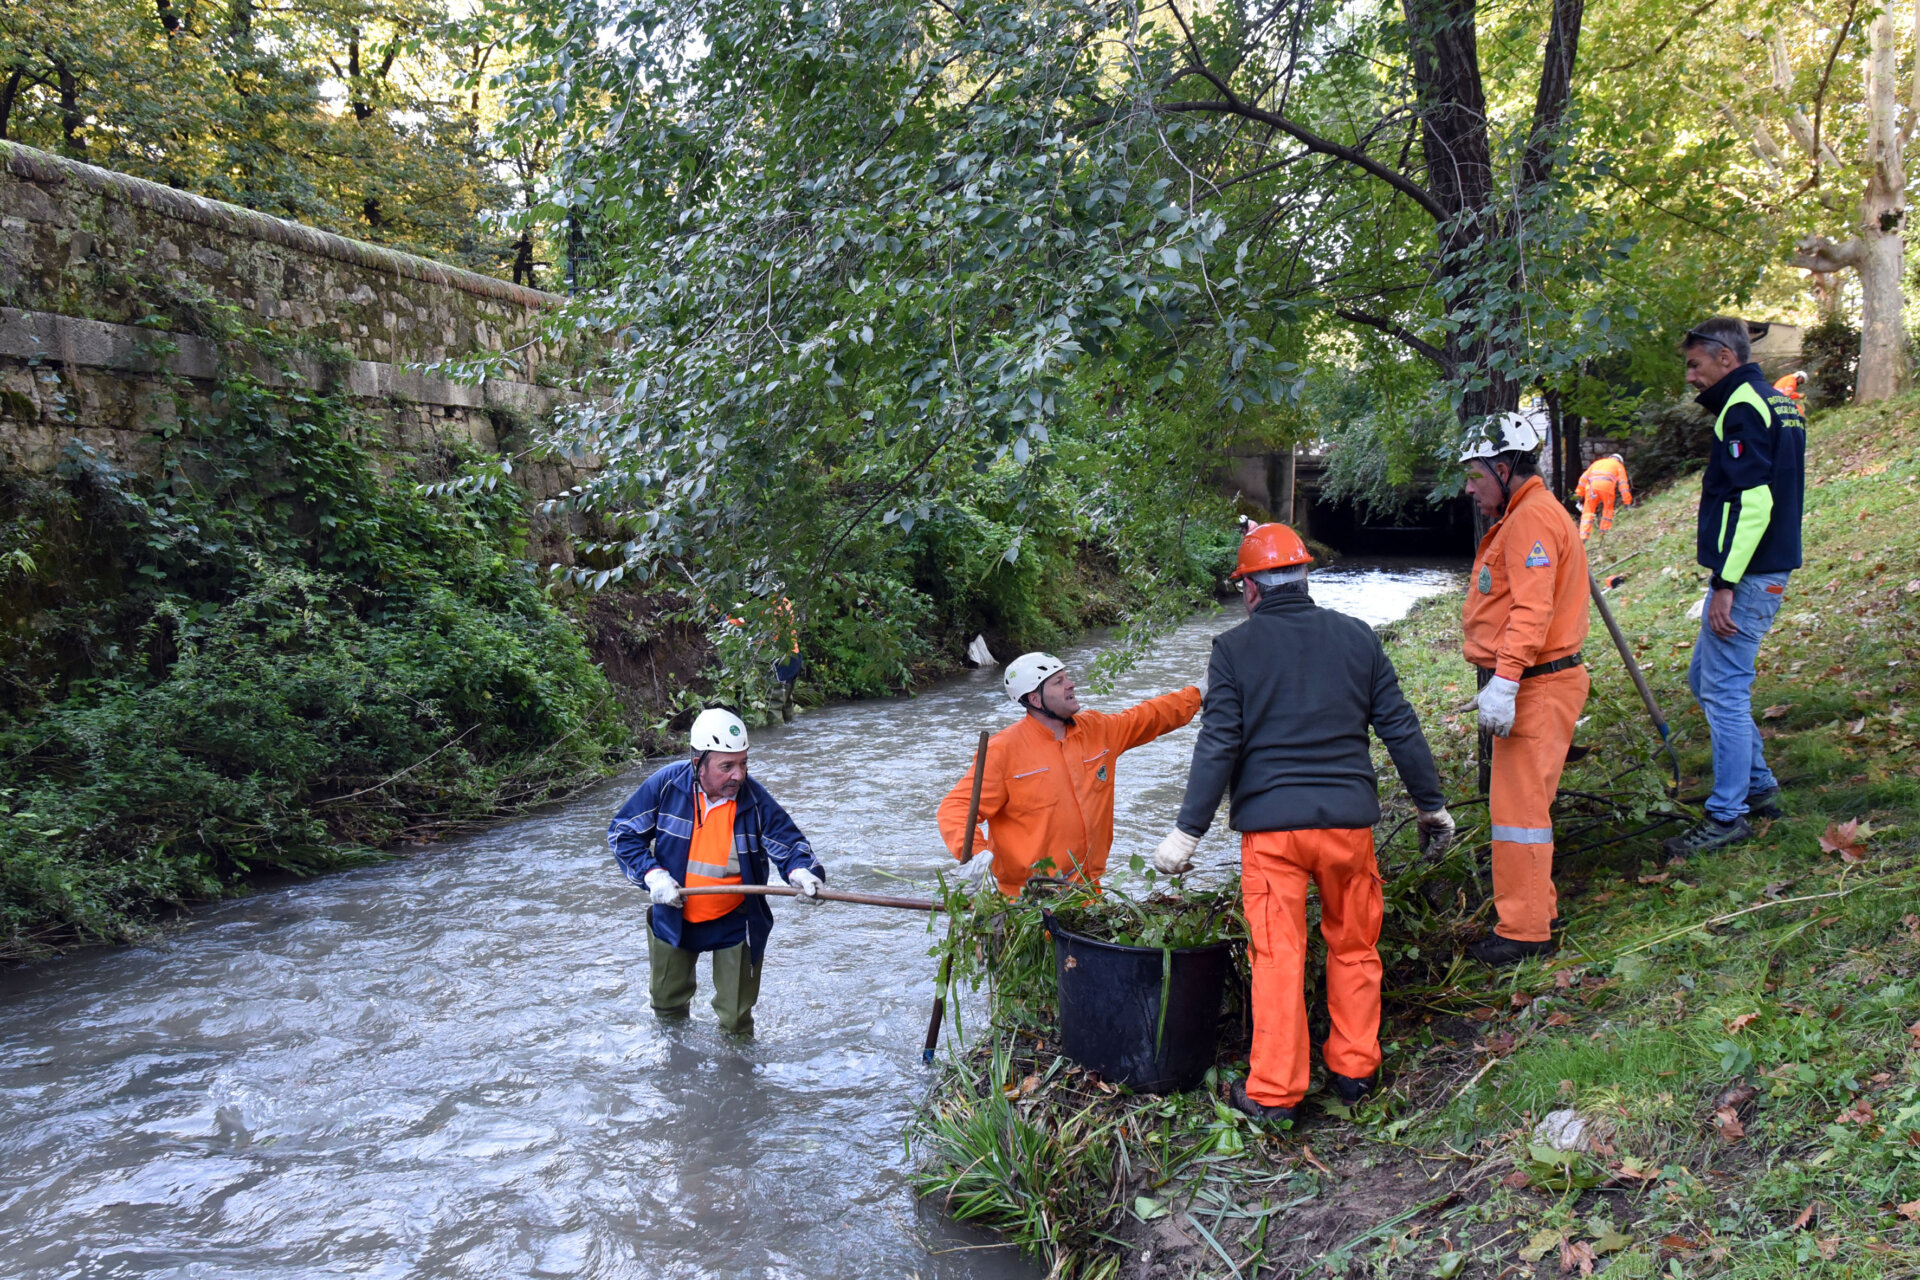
(1500, 952)
(1348, 1089)
(1237, 1095)
(1710, 835)
(1765, 804)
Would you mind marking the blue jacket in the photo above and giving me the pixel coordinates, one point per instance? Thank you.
(1751, 494)
(654, 828)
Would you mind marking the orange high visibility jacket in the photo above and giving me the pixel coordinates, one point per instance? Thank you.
(1790, 386)
(1607, 471)
(1047, 798)
(1527, 601)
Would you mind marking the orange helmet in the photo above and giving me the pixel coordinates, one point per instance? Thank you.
(1270, 546)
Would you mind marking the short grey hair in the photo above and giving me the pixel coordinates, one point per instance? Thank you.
(1724, 330)
(1279, 577)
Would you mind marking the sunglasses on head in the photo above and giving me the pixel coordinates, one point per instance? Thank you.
(1694, 335)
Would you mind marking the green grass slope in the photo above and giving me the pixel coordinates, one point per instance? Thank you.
(1739, 1034)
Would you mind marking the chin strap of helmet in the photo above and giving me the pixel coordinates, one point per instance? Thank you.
(1040, 704)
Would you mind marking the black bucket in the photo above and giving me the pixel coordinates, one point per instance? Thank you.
(1110, 1009)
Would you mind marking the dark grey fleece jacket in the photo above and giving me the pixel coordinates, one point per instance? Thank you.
(1291, 693)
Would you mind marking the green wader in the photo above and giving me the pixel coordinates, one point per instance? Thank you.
(736, 982)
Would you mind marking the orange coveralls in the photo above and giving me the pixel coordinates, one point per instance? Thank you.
(1599, 485)
(1790, 387)
(1527, 606)
(1053, 798)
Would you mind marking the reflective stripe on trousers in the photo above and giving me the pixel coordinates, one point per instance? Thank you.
(1526, 775)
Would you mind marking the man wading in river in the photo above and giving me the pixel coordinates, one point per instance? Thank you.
(1292, 692)
(1047, 794)
(705, 822)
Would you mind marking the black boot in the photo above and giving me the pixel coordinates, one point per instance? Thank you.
(1710, 835)
(1258, 1110)
(1501, 952)
(1348, 1089)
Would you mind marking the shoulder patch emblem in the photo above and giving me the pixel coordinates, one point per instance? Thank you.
(1486, 580)
(1101, 773)
(1736, 448)
(1537, 558)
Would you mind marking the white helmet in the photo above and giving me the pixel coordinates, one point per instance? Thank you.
(1514, 433)
(1029, 671)
(716, 729)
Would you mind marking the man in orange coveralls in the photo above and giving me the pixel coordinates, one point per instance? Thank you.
(1291, 694)
(1793, 386)
(1525, 618)
(1047, 796)
(1599, 485)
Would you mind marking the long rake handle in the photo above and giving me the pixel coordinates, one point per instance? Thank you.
(1633, 670)
(828, 895)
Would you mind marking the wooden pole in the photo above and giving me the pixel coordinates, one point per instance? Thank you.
(1639, 677)
(946, 962)
(825, 895)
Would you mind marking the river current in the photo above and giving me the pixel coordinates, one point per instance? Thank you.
(445, 1066)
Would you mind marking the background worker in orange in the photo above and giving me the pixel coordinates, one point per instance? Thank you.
(1599, 485)
(1793, 386)
(1048, 788)
(1525, 618)
(1291, 693)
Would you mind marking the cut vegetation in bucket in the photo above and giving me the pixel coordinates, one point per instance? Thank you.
(1144, 1017)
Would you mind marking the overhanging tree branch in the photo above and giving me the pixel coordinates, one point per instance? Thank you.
(1404, 335)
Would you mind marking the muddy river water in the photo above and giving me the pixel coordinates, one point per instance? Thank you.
(445, 1066)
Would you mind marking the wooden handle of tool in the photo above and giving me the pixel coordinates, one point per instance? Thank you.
(946, 961)
(828, 895)
(1626, 655)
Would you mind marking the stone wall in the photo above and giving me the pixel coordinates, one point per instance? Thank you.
(119, 299)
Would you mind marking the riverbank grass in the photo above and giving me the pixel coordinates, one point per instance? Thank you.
(1735, 1038)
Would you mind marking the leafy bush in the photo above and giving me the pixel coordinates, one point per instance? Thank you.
(1829, 351)
(264, 662)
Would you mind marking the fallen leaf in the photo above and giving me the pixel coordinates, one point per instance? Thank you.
(1567, 977)
(1542, 1243)
(1861, 1112)
(1030, 1086)
(1499, 1044)
(1632, 1170)
(1777, 710)
(1516, 1180)
(1679, 1242)
(1306, 1153)
(1576, 1256)
(1611, 1241)
(1484, 1015)
(1806, 1215)
(1737, 1096)
(1829, 1248)
(1914, 1030)
(1910, 1211)
(1521, 999)
(1560, 1018)
(1843, 838)
(1742, 1022)
(1857, 728)
(1726, 1123)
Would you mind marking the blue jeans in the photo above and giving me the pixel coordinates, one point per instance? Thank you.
(1721, 677)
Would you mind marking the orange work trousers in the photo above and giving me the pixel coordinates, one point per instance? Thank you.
(1526, 776)
(1600, 495)
(1275, 867)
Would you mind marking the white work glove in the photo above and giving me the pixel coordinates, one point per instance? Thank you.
(976, 870)
(665, 892)
(1201, 685)
(1436, 831)
(1496, 705)
(807, 883)
(1175, 853)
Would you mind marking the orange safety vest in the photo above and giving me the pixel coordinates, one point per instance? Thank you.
(1790, 385)
(712, 859)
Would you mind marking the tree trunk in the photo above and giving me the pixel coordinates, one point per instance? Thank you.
(71, 117)
(1883, 212)
(9, 92)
